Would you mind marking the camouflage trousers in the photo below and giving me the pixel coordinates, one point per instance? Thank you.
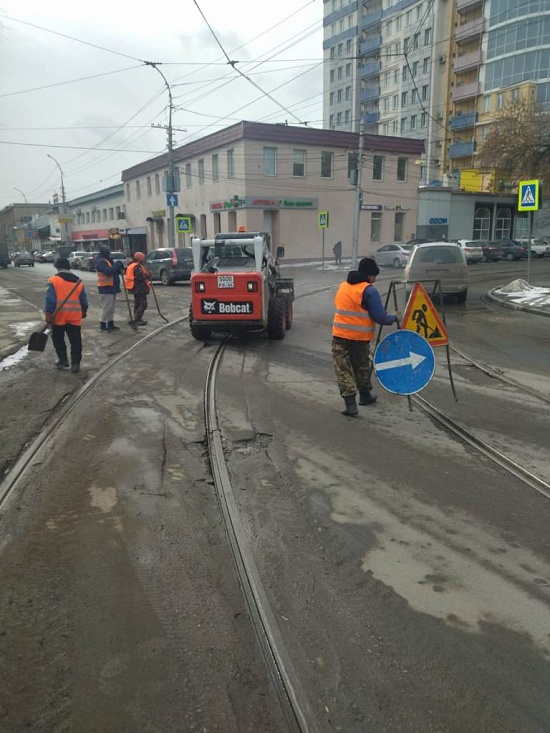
(352, 365)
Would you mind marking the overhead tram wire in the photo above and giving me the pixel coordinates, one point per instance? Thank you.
(70, 81)
(233, 64)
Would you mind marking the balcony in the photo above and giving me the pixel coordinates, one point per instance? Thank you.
(370, 45)
(467, 61)
(371, 19)
(371, 118)
(462, 150)
(464, 5)
(371, 69)
(365, 95)
(463, 122)
(463, 91)
(466, 31)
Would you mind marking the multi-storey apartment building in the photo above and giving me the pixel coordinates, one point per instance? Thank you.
(434, 70)
(98, 218)
(279, 178)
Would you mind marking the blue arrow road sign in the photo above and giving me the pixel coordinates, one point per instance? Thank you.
(172, 199)
(404, 362)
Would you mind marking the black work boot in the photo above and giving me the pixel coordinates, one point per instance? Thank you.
(366, 398)
(75, 366)
(62, 363)
(351, 406)
(111, 326)
(103, 327)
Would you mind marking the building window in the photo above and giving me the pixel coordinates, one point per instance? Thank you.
(149, 188)
(377, 167)
(270, 161)
(104, 214)
(332, 76)
(201, 171)
(415, 68)
(414, 96)
(348, 42)
(157, 183)
(340, 72)
(403, 124)
(138, 190)
(399, 226)
(339, 95)
(404, 98)
(188, 176)
(487, 103)
(406, 45)
(396, 76)
(408, 17)
(298, 163)
(395, 101)
(426, 65)
(424, 92)
(482, 223)
(230, 163)
(484, 133)
(386, 128)
(405, 74)
(376, 226)
(215, 167)
(413, 122)
(332, 52)
(503, 228)
(326, 164)
(427, 36)
(331, 99)
(401, 169)
(348, 69)
(338, 119)
(395, 127)
(87, 217)
(424, 119)
(386, 104)
(128, 193)
(348, 94)
(111, 214)
(331, 122)
(500, 100)
(398, 23)
(340, 49)
(515, 96)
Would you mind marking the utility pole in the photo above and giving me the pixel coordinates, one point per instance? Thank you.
(358, 198)
(171, 182)
(64, 226)
(22, 194)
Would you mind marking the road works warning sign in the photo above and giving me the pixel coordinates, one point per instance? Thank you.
(422, 317)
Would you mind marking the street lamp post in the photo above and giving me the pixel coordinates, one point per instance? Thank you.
(64, 226)
(22, 194)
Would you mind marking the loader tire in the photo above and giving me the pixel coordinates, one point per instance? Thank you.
(201, 333)
(289, 311)
(276, 318)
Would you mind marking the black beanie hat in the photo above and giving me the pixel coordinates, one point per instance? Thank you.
(62, 263)
(368, 266)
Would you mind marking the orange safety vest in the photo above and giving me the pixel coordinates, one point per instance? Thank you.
(71, 310)
(129, 279)
(351, 320)
(104, 281)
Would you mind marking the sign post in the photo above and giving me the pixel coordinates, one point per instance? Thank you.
(323, 224)
(529, 199)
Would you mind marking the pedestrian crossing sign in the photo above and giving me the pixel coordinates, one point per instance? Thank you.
(323, 219)
(421, 316)
(529, 196)
(184, 224)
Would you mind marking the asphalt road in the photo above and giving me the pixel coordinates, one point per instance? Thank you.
(411, 576)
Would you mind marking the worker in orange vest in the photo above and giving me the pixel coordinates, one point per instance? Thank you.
(137, 282)
(358, 307)
(67, 320)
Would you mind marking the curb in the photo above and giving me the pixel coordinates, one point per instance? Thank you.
(515, 306)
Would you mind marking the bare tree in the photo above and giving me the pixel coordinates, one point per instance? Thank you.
(518, 145)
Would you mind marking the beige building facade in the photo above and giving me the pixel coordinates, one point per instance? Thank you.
(279, 179)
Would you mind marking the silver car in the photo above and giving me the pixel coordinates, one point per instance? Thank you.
(473, 251)
(438, 261)
(396, 254)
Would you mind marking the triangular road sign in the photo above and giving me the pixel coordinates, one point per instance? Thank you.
(528, 198)
(422, 317)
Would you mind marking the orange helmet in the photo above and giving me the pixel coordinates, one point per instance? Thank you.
(139, 256)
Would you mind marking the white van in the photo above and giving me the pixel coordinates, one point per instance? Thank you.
(441, 261)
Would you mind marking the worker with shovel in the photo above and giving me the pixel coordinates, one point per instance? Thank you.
(137, 282)
(66, 304)
(108, 285)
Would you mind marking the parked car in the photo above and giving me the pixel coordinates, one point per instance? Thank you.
(170, 265)
(441, 261)
(509, 249)
(491, 253)
(120, 256)
(23, 258)
(395, 254)
(473, 251)
(88, 262)
(75, 259)
(539, 247)
(45, 256)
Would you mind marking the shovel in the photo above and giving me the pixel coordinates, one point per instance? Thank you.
(157, 303)
(38, 340)
(132, 323)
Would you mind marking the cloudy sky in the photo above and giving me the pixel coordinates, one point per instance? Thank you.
(83, 94)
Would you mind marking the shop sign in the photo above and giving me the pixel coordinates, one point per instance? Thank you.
(371, 207)
(159, 213)
(398, 207)
(264, 202)
(438, 220)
